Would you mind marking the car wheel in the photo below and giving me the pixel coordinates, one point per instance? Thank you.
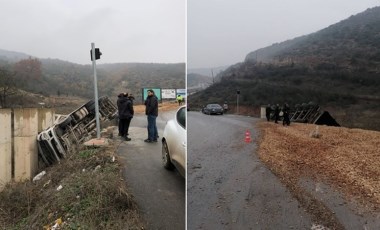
(166, 157)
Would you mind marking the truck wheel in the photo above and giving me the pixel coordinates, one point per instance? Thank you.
(65, 122)
(90, 106)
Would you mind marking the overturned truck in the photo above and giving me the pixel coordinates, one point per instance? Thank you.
(60, 139)
(303, 113)
(311, 113)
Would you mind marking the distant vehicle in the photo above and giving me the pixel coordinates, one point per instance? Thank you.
(213, 109)
(59, 139)
(174, 142)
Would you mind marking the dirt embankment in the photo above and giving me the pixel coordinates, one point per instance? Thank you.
(93, 195)
(165, 106)
(347, 159)
(85, 191)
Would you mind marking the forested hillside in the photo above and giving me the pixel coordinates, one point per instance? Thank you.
(61, 78)
(337, 68)
(351, 43)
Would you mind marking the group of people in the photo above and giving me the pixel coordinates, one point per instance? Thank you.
(277, 110)
(126, 112)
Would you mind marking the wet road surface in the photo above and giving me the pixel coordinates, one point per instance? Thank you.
(159, 193)
(227, 185)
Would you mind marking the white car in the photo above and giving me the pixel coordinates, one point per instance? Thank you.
(174, 142)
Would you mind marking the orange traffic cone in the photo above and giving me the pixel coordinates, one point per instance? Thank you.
(247, 136)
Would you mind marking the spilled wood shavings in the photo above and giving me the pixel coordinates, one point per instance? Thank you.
(349, 159)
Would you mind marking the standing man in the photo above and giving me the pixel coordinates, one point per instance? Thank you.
(276, 113)
(151, 110)
(268, 110)
(286, 120)
(125, 106)
(119, 99)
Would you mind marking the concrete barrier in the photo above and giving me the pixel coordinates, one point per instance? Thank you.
(5, 147)
(263, 112)
(25, 143)
(45, 119)
(20, 144)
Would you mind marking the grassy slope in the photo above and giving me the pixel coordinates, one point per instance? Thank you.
(93, 196)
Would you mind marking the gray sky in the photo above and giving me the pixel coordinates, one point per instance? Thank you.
(124, 30)
(223, 32)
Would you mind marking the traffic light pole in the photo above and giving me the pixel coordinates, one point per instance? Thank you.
(96, 91)
(237, 101)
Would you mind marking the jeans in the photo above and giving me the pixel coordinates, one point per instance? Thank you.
(152, 128)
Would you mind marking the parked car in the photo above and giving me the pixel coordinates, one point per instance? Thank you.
(60, 139)
(174, 142)
(213, 109)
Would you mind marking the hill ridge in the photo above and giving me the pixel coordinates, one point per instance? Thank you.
(337, 67)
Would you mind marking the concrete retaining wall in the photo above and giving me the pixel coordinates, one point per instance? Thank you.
(18, 142)
(5, 147)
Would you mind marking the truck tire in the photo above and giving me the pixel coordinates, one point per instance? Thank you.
(65, 122)
(90, 106)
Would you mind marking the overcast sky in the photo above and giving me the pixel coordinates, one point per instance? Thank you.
(223, 32)
(124, 30)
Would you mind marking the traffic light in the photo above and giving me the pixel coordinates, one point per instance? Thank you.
(97, 54)
(237, 91)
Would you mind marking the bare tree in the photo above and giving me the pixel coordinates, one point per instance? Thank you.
(7, 86)
(28, 69)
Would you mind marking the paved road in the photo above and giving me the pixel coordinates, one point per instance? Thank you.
(160, 194)
(227, 186)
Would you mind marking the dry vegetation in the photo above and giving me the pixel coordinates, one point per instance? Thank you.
(89, 199)
(349, 159)
(165, 106)
(93, 196)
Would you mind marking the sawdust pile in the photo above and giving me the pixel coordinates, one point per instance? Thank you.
(349, 159)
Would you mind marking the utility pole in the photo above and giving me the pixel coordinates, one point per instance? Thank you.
(95, 54)
(237, 101)
(212, 74)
